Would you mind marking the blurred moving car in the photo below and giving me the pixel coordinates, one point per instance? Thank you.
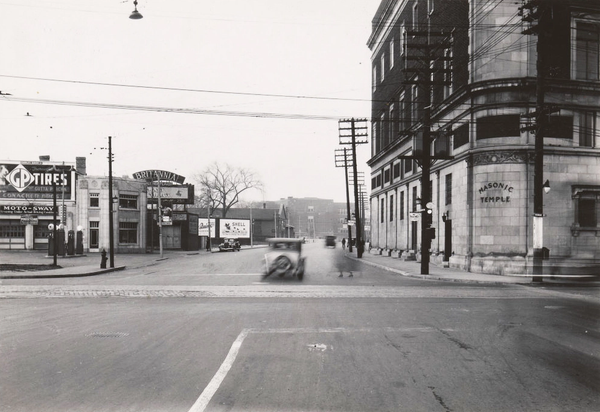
(284, 257)
(329, 241)
(229, 245)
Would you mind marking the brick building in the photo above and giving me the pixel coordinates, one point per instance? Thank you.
(471, 63)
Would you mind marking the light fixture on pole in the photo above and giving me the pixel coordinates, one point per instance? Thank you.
(546, 186)
(135, 14)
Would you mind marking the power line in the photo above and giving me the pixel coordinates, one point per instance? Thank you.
(136, 86)
(267, 115)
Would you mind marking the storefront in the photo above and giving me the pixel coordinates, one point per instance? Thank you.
(32, 195)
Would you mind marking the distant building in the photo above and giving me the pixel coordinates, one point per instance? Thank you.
(316, 218)
(472, 63)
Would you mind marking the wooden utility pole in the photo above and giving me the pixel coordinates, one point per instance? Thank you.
(422, 77)
(540, 11)
(341, 160)
(355, 133)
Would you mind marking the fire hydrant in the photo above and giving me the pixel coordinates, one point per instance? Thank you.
(103, 259)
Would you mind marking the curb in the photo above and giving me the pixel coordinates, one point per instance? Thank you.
(434, 277)
(66, 275)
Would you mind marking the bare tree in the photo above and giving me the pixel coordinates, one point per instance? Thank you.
(222, 185)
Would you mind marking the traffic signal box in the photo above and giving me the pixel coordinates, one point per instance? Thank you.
(428, 221)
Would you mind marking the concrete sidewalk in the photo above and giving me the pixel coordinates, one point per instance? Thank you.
(413, 269)
(37, 265)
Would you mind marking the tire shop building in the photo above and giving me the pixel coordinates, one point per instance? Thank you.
(28, 190)
(471, 64)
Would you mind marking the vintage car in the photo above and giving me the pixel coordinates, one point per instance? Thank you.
(284, 257)
(229, 245)
(329, 241)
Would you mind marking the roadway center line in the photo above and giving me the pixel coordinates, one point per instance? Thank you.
(214, 384)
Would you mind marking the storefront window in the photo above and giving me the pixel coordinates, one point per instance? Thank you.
(128, 232)
(11, 228)
(128, 201)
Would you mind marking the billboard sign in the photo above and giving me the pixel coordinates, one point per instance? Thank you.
(203, 227)
(237, 228)
(36, 180)
(26, 209)
(171, 194)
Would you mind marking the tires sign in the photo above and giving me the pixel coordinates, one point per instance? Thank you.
(36, 180)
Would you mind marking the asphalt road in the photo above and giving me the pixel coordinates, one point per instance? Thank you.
(205, 333)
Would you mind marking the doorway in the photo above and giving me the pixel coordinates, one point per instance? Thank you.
(413, 235)
(447, 239)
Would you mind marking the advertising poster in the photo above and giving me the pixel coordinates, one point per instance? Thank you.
(36, 180)
(203, 227)
(236, 228)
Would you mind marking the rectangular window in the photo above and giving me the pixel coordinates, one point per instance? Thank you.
(586, 208)
(383, 131)
(374, 77)
(94, 199)
(587, 129)
(408, 165)
(461, 135)
(392, 55)
(382, 66)
(587, 52)
(386, 175)
(401, 205)
(392, 123)
(311, 208)
(414, 198)
(447, 73)
(11, 229)
(376, 137)
(560, 127)
(415, 15)
(449, 189)
(128, 232)
(391, 208)
(128, 201)
(587, 212)
(382, 214)
(396, 171)
(402, 115)
(414, 113)
(506, 125)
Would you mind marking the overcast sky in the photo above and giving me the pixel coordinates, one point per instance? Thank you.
(262, 84)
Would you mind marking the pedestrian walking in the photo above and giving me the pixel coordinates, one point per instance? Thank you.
(344, 243)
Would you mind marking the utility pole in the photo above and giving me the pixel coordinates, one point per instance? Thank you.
(111, 229)
(540, 10)
(423, 73)
(355, 134)
(341, 160)
(54, 224)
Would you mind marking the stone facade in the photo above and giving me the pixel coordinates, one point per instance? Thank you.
(482, 194)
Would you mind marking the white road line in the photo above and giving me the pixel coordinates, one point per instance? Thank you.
(206, 395)
(214, 384)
